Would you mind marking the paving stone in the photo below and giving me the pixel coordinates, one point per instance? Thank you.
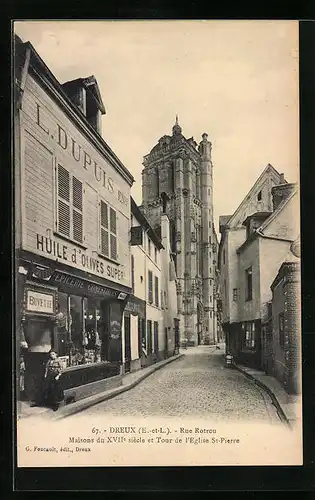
(197, 385)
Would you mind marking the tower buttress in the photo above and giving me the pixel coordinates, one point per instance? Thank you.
(208, 271)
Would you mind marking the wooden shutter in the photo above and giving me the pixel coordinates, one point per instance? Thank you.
(150, 283)
(77, 193)
(113, 237)
(156, 337)
(77, 226)
(104, 230)
(63, 218)
(156, 291)
(113, 246)
(63, 201)
(77, 216)
(139, 336)
(149, 336)
(112, 221)
(63, 184)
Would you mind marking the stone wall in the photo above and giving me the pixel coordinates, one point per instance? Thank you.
(286, 302)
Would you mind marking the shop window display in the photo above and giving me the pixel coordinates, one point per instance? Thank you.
(62, 325)
(76, 322)
(82, 335)
(86, 331)
(93, 331)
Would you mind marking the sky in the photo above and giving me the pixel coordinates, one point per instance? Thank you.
(235, 80)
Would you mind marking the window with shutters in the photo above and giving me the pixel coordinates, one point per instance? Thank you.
(150, 287)
(108, 231)
(156, 286)
(69, 205)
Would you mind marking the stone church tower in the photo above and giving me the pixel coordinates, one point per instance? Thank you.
(177, 179)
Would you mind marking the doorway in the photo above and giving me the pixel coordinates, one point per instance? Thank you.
(176, 332)
(127, 344)
(39, 337)
(165, 343)
(156, 340)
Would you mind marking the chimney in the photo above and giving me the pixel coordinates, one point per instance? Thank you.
(281, 193)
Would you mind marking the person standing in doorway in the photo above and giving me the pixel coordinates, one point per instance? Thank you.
(53, 392)
(22, 372)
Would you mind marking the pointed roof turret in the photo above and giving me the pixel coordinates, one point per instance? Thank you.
(177, 128)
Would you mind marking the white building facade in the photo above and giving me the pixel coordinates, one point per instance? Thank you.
(72, 222)
(254, 242)
(149, 326)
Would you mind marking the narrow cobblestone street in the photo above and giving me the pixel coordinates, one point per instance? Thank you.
(196, 385)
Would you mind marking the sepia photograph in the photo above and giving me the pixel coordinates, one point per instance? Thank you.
(157, 243)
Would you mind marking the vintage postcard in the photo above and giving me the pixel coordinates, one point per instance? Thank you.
(157, 243)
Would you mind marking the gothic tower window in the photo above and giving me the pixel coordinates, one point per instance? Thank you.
(157, 182)
(171, 176)
(186, 175)
(194, 187)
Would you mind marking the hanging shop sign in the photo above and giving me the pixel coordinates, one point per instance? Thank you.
(135, 306)
(41, 272)
(136, 235)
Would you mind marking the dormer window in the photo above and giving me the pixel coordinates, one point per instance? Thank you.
(77, 94)
(254, 221)
(85, 94)
(93, 113)
(259, 196)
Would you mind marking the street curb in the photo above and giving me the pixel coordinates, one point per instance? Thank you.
(274, 399)
(114, 392)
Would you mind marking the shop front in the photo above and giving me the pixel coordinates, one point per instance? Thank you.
(74, 314)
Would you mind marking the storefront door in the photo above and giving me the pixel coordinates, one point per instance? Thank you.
(156, 339)
(127, 343)
(39, 337)
(176, 331)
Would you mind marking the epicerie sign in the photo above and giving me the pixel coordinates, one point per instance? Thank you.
(40, 302)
